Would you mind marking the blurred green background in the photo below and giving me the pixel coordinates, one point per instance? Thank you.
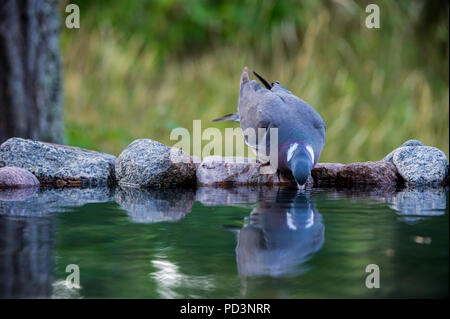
(138, 69)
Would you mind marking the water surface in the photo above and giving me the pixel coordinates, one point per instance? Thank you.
(224, 243)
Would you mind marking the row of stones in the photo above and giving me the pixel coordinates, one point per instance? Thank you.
(147, 163)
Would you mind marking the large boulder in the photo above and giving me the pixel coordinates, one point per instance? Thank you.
(146, 163)
(229, 171)
(15, 177)
(424, 165)
(59, 165)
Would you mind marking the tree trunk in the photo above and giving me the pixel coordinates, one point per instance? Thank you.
(30, 70)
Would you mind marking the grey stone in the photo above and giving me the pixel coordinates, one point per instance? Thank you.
(390, 156)
(421, 165)
(59, 165)
(155, 205)
(15, 177)
(147, 163)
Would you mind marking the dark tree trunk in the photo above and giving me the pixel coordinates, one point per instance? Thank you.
(30, 70)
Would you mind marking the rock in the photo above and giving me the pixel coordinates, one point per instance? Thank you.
(59, 165)
(155, 205)
(325, 174)
(390, 156)
(228, 171)
(424, 165)
(15, 177)
(147, 163)
(380, 174)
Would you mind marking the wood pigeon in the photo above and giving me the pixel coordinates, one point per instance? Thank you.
(301, 130)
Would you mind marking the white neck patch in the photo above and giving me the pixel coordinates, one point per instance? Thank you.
(291, 150)
(294, 146)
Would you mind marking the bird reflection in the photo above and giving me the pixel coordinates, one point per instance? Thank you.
(279, 236)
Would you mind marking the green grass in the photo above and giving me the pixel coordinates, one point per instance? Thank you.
(374, 88)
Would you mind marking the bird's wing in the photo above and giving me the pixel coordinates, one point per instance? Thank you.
(297, 103)
(259, 108)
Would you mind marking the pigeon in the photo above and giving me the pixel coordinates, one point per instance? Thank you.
(301, 130)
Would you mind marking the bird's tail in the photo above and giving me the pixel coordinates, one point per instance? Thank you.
(244, 77)
(263, 81)
(234, 117)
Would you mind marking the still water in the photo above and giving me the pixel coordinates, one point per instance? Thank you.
(223, 243)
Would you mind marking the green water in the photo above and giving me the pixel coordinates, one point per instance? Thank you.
(235, 243)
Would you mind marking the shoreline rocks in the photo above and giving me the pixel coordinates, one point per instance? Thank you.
(146, 163)
(59, 165)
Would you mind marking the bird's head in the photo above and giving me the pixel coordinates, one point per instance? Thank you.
(300, 158)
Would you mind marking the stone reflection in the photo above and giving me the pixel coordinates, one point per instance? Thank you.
(26, 256)
(416, 204)
(17, 194)
(28, 203)
(211, 196)
(155, 205)
(411, 204)
(281, 233)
